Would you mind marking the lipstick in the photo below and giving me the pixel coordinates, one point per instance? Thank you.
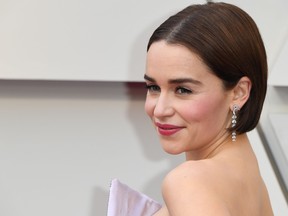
(167, 129)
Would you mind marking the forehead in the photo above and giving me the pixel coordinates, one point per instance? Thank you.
(174, 60)
(161, 51)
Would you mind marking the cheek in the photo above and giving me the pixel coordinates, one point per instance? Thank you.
(203, 110)
(194, 112)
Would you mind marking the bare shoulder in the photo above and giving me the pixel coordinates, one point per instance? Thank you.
(192, 189)
(196, 172)
(208, 187)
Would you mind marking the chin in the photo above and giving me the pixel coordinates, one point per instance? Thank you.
(172, 151)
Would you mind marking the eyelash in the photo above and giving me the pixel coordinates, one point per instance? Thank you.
(152, 88)
(179, 90)
(183, 90)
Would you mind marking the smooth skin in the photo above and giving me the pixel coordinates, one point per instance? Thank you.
(219, 177)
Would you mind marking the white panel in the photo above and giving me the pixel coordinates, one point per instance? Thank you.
(277, 197)
(279, 123)
(279, 74)
(100, 40)
(78, 39)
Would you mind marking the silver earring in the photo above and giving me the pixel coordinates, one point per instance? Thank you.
(234, 120)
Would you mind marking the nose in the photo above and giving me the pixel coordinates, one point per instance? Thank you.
(163, 106)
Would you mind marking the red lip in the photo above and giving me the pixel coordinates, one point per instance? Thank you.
(167, 129)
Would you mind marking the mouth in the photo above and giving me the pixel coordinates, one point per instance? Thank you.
(167, 129)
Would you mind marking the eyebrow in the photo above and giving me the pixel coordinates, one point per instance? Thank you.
(175, 81)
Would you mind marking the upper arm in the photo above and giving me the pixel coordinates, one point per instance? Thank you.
(192, 193)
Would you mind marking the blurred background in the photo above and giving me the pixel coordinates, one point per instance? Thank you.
(72, 103)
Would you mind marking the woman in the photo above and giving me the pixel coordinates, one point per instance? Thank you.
(206, 77)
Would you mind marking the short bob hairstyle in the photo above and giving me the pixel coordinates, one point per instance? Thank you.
(228, 41)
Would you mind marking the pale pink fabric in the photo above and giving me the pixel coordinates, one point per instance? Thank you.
(124, 201)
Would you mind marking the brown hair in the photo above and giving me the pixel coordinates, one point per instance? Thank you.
(228, 41)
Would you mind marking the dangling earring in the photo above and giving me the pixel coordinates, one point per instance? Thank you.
(234, 120)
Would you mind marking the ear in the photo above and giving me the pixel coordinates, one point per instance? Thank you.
(241, 92)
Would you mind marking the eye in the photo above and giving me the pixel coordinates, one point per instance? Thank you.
(182, 90)
(152, 88)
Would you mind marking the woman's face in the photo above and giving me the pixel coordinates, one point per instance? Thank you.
(185, 100)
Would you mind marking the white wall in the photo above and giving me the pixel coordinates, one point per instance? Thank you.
(63, 142)
(101, 40)
(78, 39)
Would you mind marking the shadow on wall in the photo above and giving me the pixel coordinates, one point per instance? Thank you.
(62, 90)
(99, 202)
